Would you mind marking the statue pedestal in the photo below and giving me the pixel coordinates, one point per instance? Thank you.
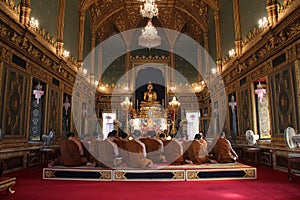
(148, 124)
(150, 109)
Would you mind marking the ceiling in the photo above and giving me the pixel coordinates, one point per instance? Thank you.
(116, 16)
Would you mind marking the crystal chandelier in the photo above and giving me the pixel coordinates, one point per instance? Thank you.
(149, 37)
(149, 10)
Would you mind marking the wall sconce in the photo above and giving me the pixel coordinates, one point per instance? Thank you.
(34, 23)
(200, 86)
(84, 71)
(102, 87)
(173, 86)
(231, 53)
(263, 23)
(126, 86)
(214, 70)
(66, 54)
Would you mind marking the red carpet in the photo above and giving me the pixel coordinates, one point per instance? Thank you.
(270, 184)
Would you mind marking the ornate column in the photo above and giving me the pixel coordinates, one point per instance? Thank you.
(60, 26)
(99, 63)
(92, 65)
(206, 57)
(218, 40)
(25, 12)
(237, 27)
(272, 7)
(81, 40)
(127, 67)
(172, 63)
(199, 64)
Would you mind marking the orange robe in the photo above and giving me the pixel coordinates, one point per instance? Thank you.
(122, 149)
(135, 155)
(70, 154)
(105, 153)
(153, 149)
(196, 153)
(173, 152)
(223, 151)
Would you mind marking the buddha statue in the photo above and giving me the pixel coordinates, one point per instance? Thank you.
(150, 107)
(150, 95)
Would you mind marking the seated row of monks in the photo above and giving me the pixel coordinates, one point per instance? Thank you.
(137, 152)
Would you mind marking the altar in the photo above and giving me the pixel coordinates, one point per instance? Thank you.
(148, 124)
(150, 114)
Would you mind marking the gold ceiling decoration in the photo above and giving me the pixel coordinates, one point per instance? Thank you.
(187, 16)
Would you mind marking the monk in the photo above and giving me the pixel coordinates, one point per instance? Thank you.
(72, 153)
(107, 151)
(203, 142)
(196, 151)
(154, 147)
(173, 152)
(121, 142)
(137, 153)
(223, 150)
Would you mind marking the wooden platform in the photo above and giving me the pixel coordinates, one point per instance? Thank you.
(229, 171)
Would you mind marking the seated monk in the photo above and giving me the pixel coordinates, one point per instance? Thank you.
(121, 142)
(154, 147)
(185, 146)
(107, 151)
(137, 152)
(71, 152)
(196, 152)
(223, 151)
(173, 152)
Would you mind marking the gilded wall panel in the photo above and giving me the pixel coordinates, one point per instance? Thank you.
(297, 74)
(15, 89)
(283, 99)
(244, 108)
(77, 113)
(54, 111)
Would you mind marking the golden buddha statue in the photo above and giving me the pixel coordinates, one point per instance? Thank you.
(150, 107)
(150, 95)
